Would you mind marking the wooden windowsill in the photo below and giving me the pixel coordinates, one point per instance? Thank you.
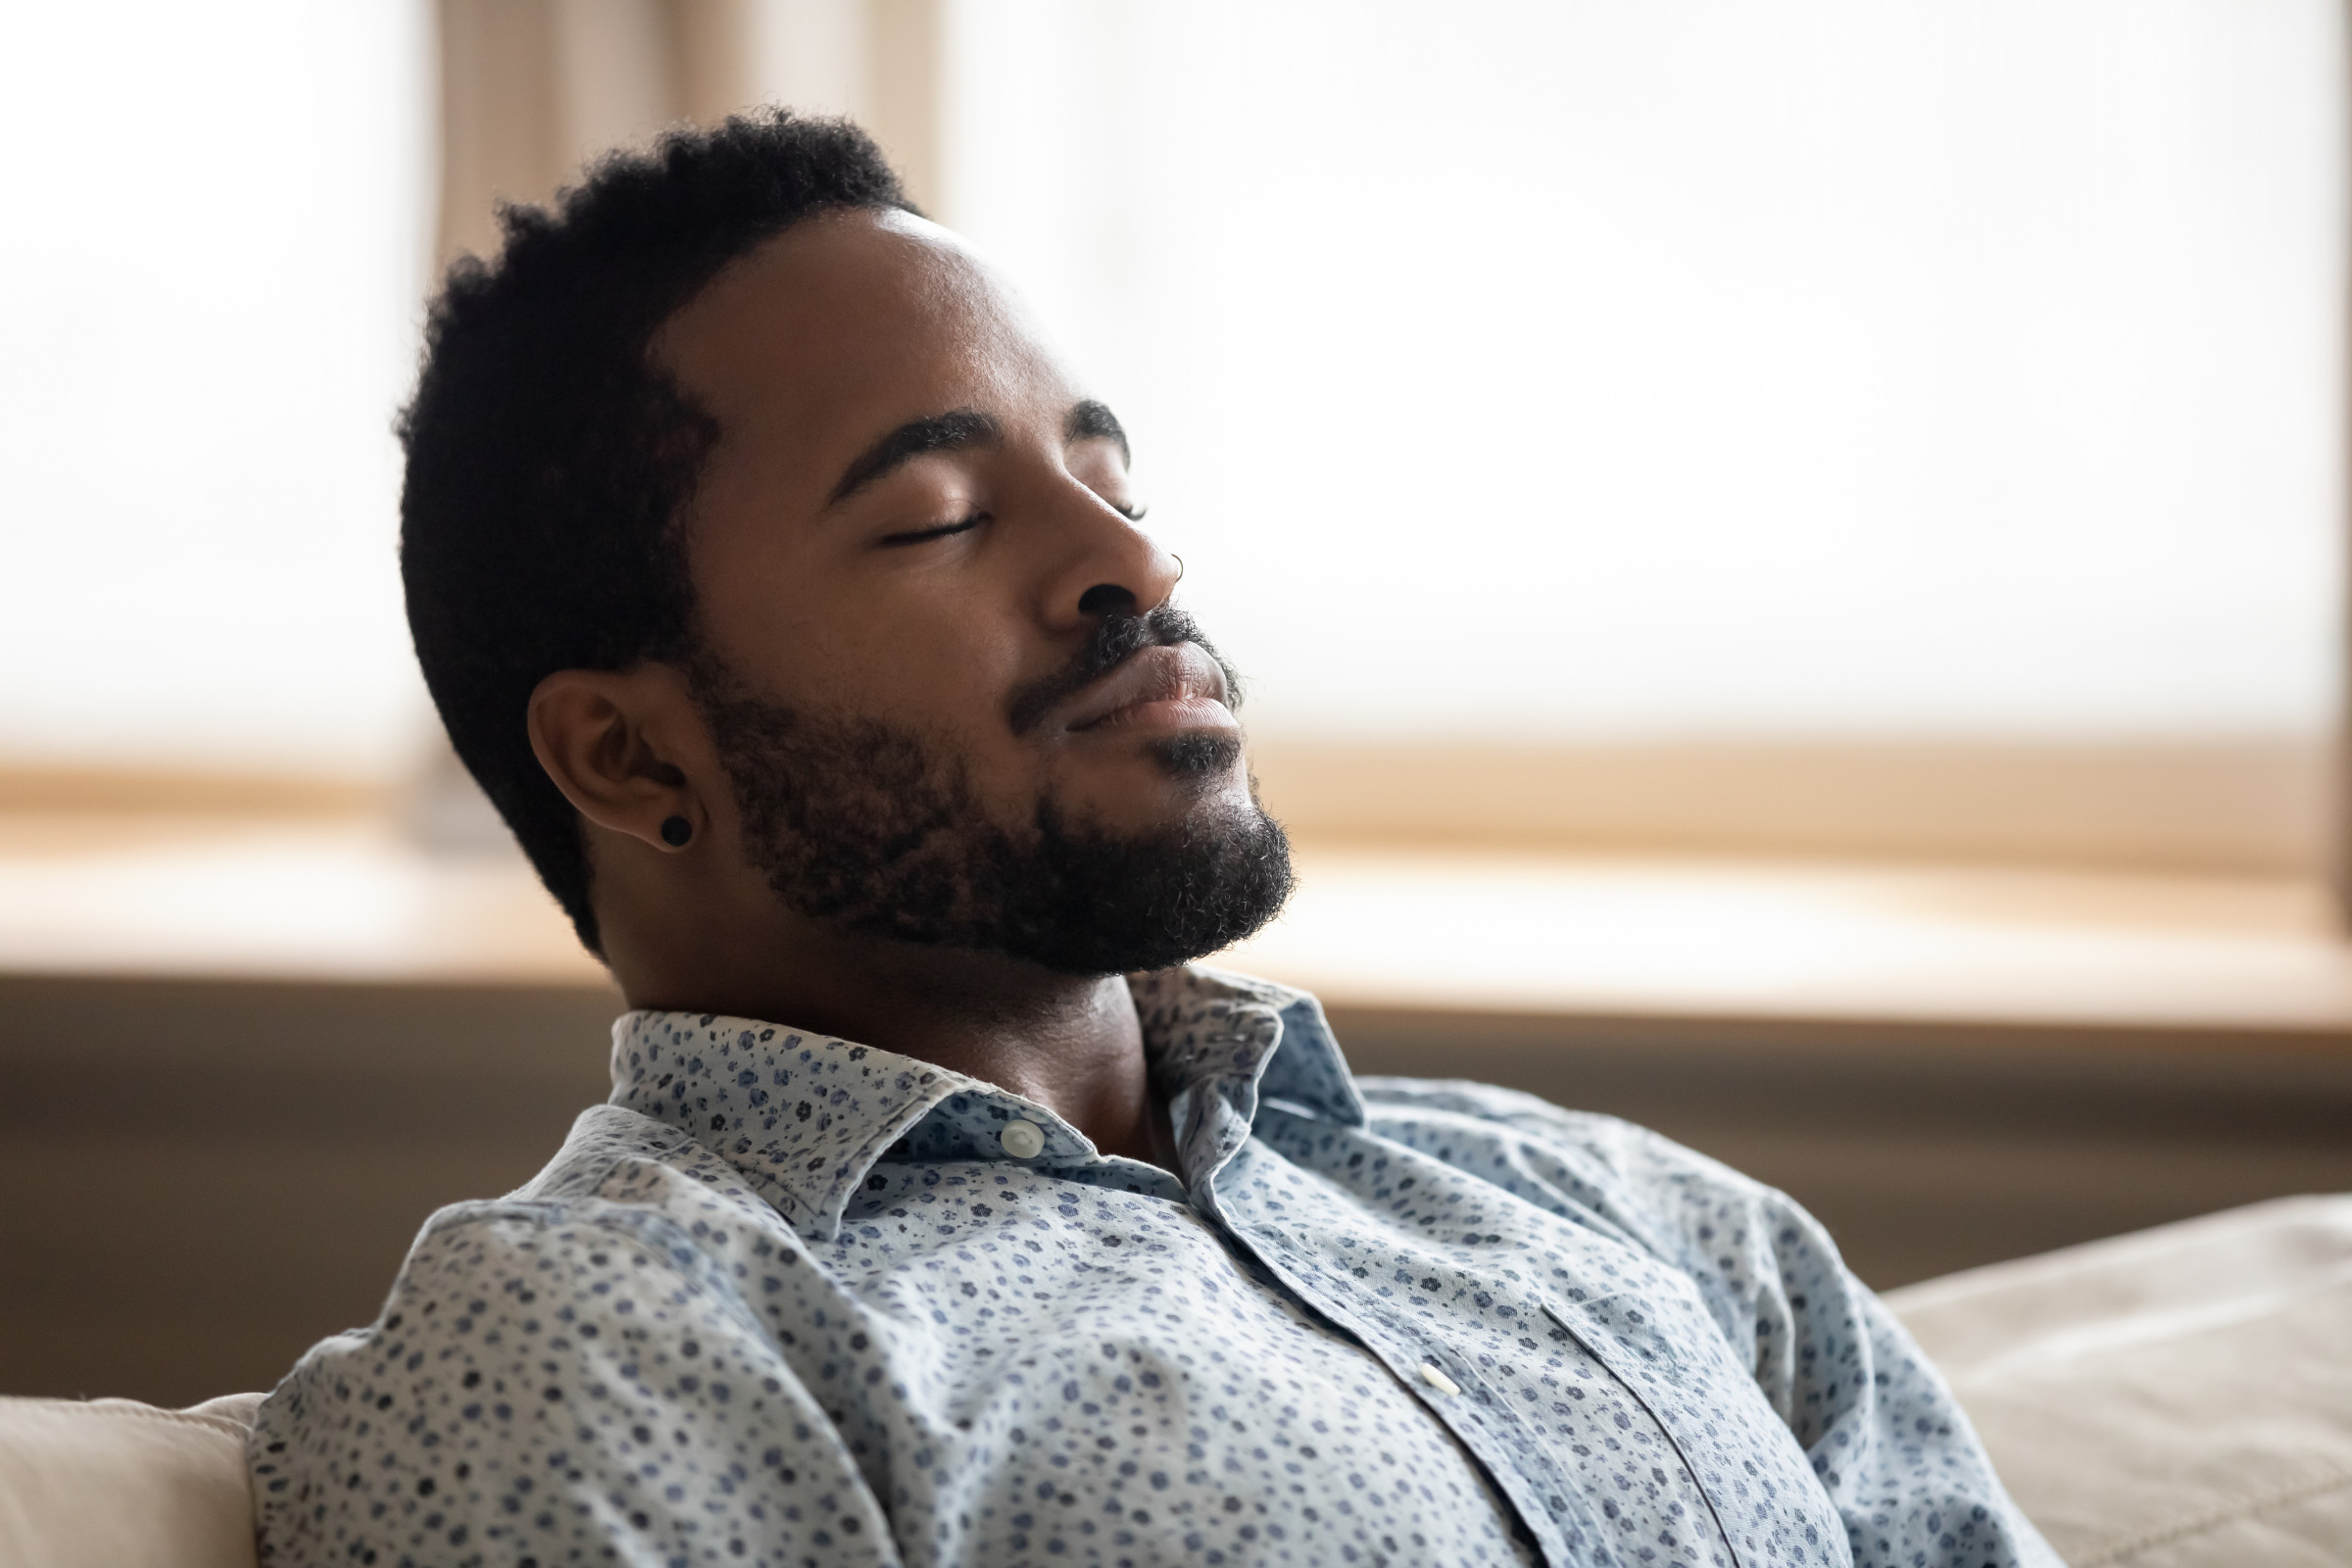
(2225, 806)
(1771, 943)
(309, 1033)
(1786, 941)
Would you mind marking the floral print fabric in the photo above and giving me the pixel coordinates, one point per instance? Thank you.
(792, 1299)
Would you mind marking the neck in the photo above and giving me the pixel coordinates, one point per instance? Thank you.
(1072, 1043)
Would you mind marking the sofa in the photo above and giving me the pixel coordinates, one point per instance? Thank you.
(2179, 1397)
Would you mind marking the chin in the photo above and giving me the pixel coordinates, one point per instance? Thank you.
(1198, 756)
(1161, 785)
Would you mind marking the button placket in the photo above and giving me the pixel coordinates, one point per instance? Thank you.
(1477, 1421)
(1658, 1420)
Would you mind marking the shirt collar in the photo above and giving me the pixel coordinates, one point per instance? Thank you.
(805, 1116)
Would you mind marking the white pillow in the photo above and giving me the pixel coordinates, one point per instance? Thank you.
(2179, 1397)
(115, 1484)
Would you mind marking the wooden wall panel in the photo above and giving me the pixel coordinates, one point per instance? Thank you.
(203, 1178)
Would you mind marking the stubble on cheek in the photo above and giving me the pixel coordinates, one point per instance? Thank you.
(850, 820)
(881, 831)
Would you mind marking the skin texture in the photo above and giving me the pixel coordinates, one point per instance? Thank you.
(809, 351)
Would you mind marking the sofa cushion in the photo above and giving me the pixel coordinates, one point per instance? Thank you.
(2179, 1397)
(114, 1483)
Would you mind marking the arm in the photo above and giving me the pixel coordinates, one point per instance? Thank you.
(543, 1387)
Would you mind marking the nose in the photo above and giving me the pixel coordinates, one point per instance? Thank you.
(1107, 565)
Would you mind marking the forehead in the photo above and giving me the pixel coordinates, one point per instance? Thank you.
(850, 323)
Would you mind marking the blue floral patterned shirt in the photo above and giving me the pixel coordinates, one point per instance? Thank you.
(788, 1300)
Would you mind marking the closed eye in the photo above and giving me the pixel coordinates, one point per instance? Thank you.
(1131, 514)
(916, 536)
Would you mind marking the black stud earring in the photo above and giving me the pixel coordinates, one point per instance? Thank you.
(675, 831)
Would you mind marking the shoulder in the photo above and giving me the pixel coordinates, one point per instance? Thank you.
(503, 1304)
(483, 1273)
(1675, 1202)
(604, 1139)
(1610, 1146)
(632, 1217)
(514, 1383)
(620, 1179)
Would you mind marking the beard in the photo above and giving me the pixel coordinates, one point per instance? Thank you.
(876, 830)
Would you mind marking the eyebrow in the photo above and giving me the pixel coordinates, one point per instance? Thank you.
(1091, 419)
(958, 431)
(961, 430)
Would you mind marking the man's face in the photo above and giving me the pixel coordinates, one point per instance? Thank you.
(936, 654)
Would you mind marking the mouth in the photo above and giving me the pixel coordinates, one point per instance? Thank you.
(1173, 687)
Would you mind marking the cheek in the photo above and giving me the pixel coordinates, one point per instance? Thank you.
(926, 672)
(946, 681)
(826, 648)
(925, 653)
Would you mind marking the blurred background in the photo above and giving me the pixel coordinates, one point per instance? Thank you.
(1789, 556)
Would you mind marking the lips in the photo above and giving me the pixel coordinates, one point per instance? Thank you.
(1177, 684)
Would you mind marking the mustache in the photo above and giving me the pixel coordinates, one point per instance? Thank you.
(1117, 637)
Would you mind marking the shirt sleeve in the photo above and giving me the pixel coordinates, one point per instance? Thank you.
(1879, 1424)
(548, 1387)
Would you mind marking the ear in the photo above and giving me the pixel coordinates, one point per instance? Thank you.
(612, 741)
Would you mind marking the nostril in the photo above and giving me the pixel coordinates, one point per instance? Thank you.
(1104, 598)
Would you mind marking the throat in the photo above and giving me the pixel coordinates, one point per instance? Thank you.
(1087, 1066)
(1152, 1142)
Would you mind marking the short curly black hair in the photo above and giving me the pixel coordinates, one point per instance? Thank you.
(550, 460)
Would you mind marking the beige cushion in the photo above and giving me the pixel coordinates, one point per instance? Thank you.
(2179, 1397)
(114, 1483)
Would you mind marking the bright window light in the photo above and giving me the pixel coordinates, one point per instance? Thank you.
(1521, 372)
(216, 271)
(1601, 370)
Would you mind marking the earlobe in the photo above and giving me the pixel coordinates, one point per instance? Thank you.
(600, 736)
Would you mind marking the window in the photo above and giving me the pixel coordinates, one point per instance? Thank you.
(222, 226)
(1688, 375)
(1581, 420)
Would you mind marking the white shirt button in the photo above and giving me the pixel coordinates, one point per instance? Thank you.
(1022, 1140)
(1438, 1380)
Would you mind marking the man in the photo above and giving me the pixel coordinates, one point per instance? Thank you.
(786, 593)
